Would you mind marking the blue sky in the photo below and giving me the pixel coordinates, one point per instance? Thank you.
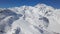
(14, 3)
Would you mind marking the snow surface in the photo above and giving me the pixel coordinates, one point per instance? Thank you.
(38, 19)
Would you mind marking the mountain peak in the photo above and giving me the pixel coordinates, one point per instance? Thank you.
(38, 19)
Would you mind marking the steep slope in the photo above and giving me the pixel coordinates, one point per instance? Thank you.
(40, 19)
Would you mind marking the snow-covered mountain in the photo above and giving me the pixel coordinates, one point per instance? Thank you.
(38, 19)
